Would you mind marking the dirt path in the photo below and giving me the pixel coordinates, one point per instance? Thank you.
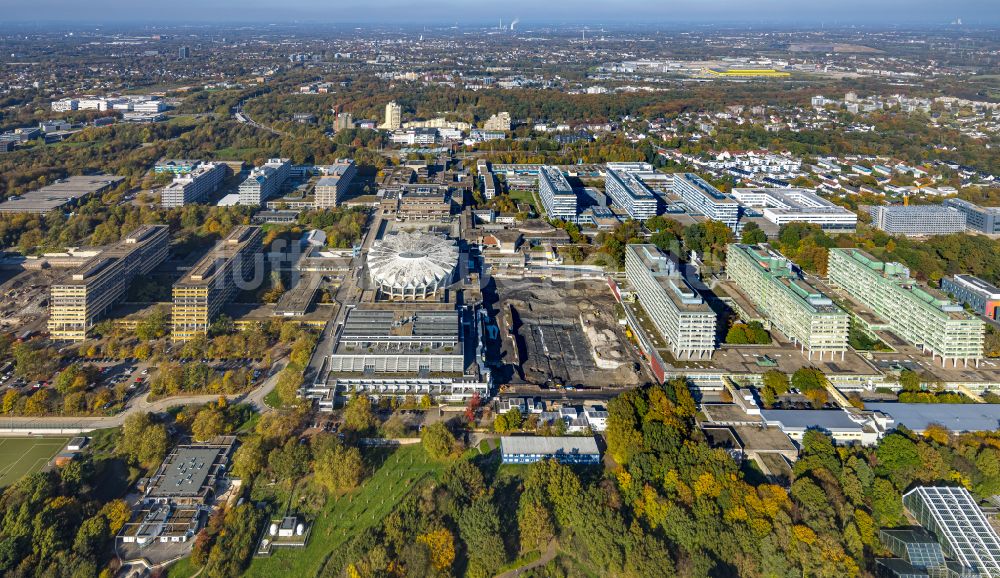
(547, 556)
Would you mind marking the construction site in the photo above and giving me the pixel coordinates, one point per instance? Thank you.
(565, 335)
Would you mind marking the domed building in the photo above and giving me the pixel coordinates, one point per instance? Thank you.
(412, 266)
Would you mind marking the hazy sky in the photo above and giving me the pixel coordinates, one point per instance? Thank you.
(469, 12)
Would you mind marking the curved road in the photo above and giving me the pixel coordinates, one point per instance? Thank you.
(255, 397)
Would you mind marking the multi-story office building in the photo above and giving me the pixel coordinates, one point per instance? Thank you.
(981, 296)
(393, 116)
(499, 121)
(982, 219)
(333, 185)
(953, 515)
(702, 198)
(265, 181)
(194, 186)
(782, 206)
(686, 322)
(917, 219)
(631, 194)
(215, 280)
(795, 307)
(65, 105)
(83, 298)
(184, 52)
(923, 317)
(556, 193)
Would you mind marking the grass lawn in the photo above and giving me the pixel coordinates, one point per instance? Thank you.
(22, 456)
(397, 473)
(524, 197)
(182, 569)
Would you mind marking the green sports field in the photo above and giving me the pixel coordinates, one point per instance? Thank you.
(20, 456)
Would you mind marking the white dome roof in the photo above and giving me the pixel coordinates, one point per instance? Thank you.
(413, 261)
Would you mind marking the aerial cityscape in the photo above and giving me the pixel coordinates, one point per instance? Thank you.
(564, 290)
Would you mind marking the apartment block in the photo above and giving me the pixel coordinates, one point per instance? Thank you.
(630, 193)
(335, 182)
(776, 287)
(702, 198)
(677, 310)
(200, 294)
(919, 315)
(91, 290)
(556, 193)
(499, 121)
(265, 181)
(194, 186)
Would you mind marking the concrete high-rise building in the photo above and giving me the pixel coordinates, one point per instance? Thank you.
(184, 52)
(795, 307)
(333, 185)
(393, 116)
(982, 219)
(702, 198)
(344, 121)
(499, 121)
(630, 193)
(265, 181)
(558, 197)
(677, 310)
(194, 186)
(200, 294)
(917, 219)
(92, 289)
(919, 315)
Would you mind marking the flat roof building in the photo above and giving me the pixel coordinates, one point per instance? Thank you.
(394, 351)
(982, 219)
(704, 199)
(200, 294)
(193, 186)
(981, 296)
(558, 198)
(67, 192)
(844, 428)
(92, 289)
(630, 193)
(955, 417)
(677, 310)
(566, 449)
(917, 220)
(776, 287)
(961, 527)
(782, 206)
(265, 181)
(332, 187)
(921, 316)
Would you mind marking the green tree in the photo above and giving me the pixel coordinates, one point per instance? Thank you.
(752, 234)
(438, 441)
(358, 415)
(338, 468)
(142, 440)
(479, 526)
